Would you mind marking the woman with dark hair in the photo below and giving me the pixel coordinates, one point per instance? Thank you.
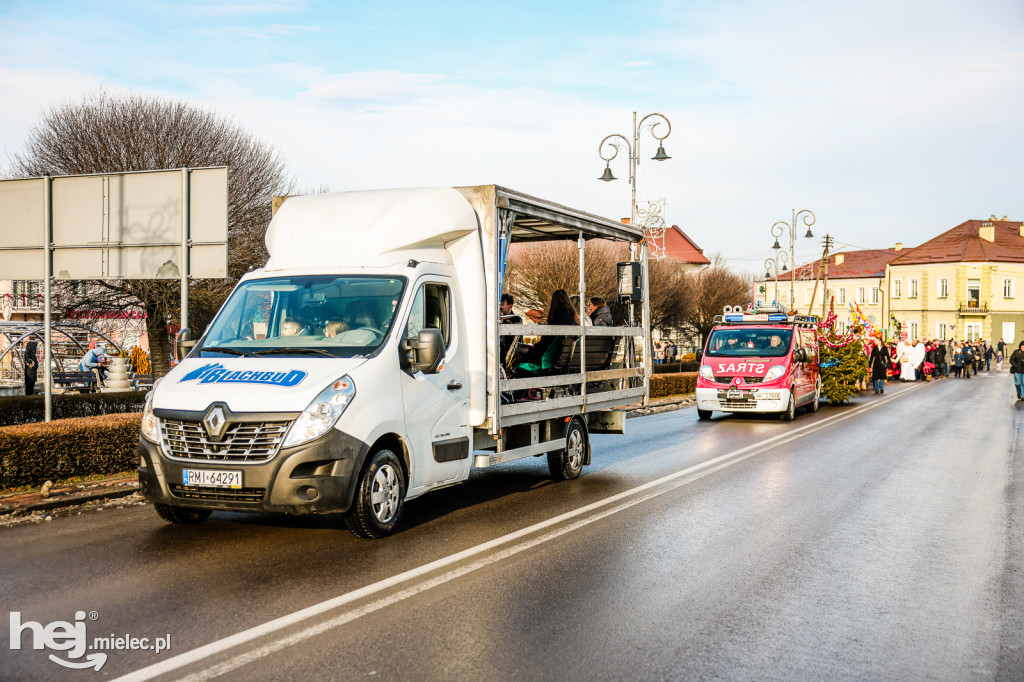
(544, 353)
(31, 367)
(561, 309)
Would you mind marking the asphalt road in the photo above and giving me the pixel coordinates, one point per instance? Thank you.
(881, 540)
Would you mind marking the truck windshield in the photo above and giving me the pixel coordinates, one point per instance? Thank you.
(740, 342)
(309, 315)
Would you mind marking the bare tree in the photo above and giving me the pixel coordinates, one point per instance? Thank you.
(114, 134)
(715, 288)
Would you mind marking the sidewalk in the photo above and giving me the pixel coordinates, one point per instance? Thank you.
(22, 502)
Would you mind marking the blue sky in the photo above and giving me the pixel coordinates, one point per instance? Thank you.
(892, 121)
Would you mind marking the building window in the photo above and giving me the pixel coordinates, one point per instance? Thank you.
(841, 294)
(943, 287)
(913, 330)
(941, 330)
(1008, 288)
(913, 288)
(862, 295)
(973, 293)
(26, 293)
(972, 331)
(897, 288)
(875, 295)
(807, 296)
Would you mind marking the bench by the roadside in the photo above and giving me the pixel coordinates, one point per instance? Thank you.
(83, 382)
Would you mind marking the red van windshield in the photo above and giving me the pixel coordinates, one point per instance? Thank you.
(746, 342)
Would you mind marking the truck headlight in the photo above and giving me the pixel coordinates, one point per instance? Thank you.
(150, 422)
(321, 414)
(706, 373)
(774, 372)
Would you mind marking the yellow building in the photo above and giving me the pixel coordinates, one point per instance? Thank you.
(962, 284)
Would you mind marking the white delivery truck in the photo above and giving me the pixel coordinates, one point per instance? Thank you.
(364, 364)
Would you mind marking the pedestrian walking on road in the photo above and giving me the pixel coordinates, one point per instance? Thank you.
(968, 360)
(878, 361)
(989, 354)
(999, 361)
(1017, 367)
(958, 361)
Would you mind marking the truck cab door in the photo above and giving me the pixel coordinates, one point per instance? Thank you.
(437, 404)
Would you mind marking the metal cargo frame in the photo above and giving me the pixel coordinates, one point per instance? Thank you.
(519, 217)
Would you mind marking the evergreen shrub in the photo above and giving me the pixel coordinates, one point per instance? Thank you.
(24, 409)
(31, 454)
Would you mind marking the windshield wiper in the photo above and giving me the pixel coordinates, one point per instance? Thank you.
(297, 349)
(226, 349)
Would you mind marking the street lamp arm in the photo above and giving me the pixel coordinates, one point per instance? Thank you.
(780, 228)
(808, 218)
(614, 146)
(655, 124)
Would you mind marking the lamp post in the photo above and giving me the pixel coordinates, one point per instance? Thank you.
(614, 142)
(780, 228)
(771, 268)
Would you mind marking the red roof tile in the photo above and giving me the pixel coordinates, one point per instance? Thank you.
(679, 247)
(867, 263)
(963, 244)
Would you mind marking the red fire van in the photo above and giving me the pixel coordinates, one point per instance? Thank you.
(761, 361)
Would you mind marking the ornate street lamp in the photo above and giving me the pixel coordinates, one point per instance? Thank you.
(614, 142)
(771, 267)
(779, 229)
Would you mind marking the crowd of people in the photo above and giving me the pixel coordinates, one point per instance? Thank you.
(924, 360)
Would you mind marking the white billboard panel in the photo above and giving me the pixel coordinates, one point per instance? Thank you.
(116, 225)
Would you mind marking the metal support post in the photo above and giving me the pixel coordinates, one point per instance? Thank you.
(47, 290)
(184, 245)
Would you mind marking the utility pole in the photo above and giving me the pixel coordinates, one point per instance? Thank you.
(828, 242)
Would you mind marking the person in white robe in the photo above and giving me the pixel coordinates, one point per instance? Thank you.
(917, 356)
(904, 356)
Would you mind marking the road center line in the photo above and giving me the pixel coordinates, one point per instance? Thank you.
(667, 483)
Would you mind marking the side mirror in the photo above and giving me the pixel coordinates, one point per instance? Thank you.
(183, 343)
(800, 355)
(424, 354)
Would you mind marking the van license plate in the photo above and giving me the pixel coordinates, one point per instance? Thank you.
(212, 479)
(734, 394)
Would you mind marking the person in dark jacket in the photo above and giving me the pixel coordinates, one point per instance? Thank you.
(969, 358)
(989, 354)
(879, 362)
(600, 315)
(543, 354)
(1017, 367)
(31, 367)
(941, 364)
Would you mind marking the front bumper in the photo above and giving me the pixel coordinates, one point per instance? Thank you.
(748, 400)
(316, 477)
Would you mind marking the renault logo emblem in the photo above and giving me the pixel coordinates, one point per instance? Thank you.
(215, 423)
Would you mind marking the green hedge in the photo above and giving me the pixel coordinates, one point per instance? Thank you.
(28, 409)
(681, 383)
(31, 454)
(675, 367)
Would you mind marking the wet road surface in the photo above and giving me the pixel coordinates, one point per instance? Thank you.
(880, 540)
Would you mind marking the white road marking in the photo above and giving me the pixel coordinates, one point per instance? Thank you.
(666, 483)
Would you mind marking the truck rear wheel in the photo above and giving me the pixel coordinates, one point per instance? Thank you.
(568, 463)
(378, 501)
(180, 516)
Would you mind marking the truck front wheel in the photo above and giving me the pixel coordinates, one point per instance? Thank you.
(568, 463)
(180, 516)
(378, 501)
(789, 414)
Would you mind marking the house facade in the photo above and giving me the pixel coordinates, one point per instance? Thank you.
(962, 284)
(854, 277)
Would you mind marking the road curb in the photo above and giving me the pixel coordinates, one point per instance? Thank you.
(57, 503)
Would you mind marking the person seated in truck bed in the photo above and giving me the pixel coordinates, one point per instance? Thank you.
(543, 354)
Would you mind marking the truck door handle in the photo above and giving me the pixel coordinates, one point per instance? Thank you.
(454, 385)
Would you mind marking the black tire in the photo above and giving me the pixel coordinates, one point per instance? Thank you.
(377, 506)
(566, 464)
(816, 403)
(703, 415)
(789, 414)
(180, 516)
